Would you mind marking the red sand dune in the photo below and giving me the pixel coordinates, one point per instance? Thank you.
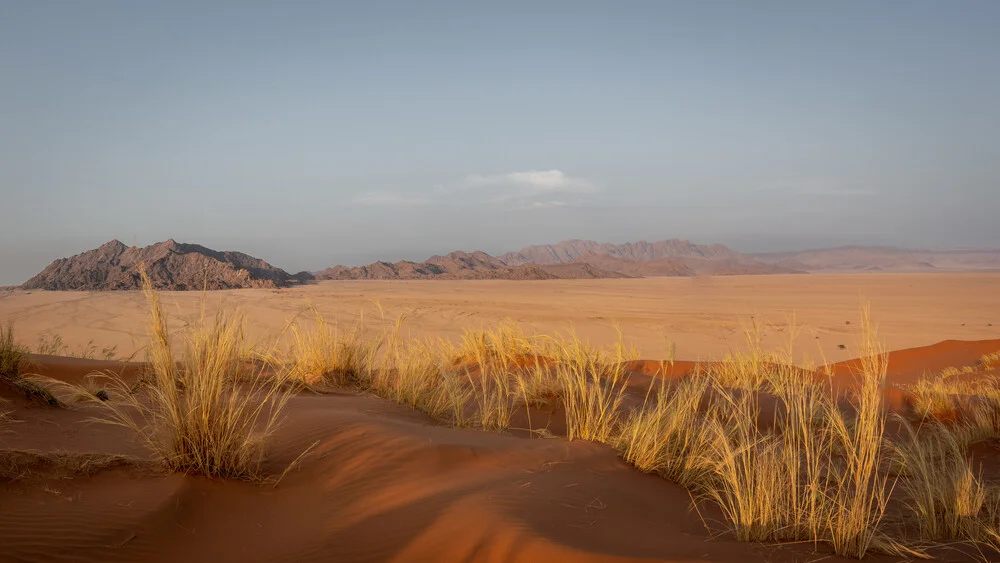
(383, 483)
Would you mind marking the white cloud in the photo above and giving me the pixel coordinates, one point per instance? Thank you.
(544, 204)
(532, 189)
(837, 192)
(379, 198)
(534, 180)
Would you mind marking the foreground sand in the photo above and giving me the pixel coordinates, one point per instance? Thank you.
(703, 316)
(383, 483)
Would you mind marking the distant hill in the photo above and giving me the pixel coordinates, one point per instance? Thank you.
(672, 257)
(463, 266)
(640, 251)
(170, 265)
(634, 268)
(884, 259)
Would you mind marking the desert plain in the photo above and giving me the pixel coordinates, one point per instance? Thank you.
(704, 317)
(369, 473)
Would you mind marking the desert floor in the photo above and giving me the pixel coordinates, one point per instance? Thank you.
(704, 317)
(371, 480)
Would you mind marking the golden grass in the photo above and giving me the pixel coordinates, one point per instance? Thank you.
(326, 354)
(593, 384)
(947, 397)
(946, 497)
(206, 411)
(420, 374)
(862, 487)
(52, 344)
(506, 343)
(13, 356)
(93, 389)
(990, 361)
(491, 391)
(815, 474)
(818, 471)
(666, 434)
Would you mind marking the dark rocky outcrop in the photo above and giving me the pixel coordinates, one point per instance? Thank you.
(170, 265)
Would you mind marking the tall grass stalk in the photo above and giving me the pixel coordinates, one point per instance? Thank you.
(205, 411)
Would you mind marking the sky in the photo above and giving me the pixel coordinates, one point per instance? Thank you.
(316, 133)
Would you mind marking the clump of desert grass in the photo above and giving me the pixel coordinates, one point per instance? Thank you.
(951, 396)
(14, 358)
(816, 474)
(13, 355)
(325, 353)
(666, 434)
(52, 344)
(990, 361)
(593, 384)
(946, 496)
(419, 373)
(505, 344)
(204, 410)
(93, 389)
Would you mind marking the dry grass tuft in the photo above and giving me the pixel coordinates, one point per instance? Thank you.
(16, 465)
(13, 356)
(946, 396)
(491, 391)
(862, 488)
(816, 474)
(420, 374)
(506, 344)
(990, 361)
(324, 353)
(667, 433)
(593, 386)
(92, 390)
(52, 344)
(205, 412)
(946, 497)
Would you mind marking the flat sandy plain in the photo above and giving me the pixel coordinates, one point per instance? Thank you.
(703, 316)
(371, 480)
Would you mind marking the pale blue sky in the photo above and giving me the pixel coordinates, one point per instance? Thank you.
(315, 133)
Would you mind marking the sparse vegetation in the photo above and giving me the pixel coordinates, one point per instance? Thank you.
(946, 497)
(92, 390)
(665, 435)
(52, 344)
(593, 388)
(13, 356)
(18, 464)
(326, 354)
(769, 443)
(990, 361)
(205, 411)
(944, 395)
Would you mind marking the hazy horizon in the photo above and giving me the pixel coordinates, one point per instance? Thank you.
(311, 134)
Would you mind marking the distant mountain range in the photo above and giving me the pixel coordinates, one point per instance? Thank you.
(884, 258)
(672, 257)
(176, 266)
(572, 259)
(464, 266)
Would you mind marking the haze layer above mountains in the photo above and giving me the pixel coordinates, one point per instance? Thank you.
(176, 266)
